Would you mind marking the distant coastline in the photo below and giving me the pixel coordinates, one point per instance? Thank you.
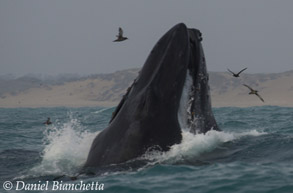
(107, 90)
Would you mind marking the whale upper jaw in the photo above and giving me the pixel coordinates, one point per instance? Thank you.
(149, 113)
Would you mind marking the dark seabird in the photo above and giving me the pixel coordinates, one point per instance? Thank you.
(252, 91)
(236, 75)
(120, 37)
(48, 122)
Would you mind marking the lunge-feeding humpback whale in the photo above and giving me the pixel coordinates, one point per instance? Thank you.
(147, 116)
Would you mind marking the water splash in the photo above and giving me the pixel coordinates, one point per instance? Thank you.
(193, 146)
(65, 149)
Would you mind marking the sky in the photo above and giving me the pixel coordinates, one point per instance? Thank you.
(74, 36)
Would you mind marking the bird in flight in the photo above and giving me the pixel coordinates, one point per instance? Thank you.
(234, 74)
(120, 37)
(252, 91)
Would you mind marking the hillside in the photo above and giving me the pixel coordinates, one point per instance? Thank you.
(276, 89)
(107, 89)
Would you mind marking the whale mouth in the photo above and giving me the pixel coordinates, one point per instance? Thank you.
(195, 111)
(188, 117)
(184, 110)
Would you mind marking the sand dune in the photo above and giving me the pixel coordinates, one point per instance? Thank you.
(107, 90)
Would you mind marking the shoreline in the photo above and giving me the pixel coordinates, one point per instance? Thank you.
(114, 104)
(108, 90)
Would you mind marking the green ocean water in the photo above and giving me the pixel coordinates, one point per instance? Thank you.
(253, 153)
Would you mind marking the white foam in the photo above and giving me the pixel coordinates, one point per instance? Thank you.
(102, 110)
(193, 146)
(66, 149)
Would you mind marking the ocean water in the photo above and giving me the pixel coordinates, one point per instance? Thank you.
(253, 153)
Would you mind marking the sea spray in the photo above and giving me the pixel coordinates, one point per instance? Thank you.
(65, 148)
(193, 146)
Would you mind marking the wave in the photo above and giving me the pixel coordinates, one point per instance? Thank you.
(102, 110)
(193, 146)
(66, 148)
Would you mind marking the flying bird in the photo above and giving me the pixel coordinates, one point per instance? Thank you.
(234, 74)
(252, 91)
(120, 37)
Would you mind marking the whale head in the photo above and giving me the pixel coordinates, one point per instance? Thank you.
(170, 93)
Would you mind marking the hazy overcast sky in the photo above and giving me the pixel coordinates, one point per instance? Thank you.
(75, 36)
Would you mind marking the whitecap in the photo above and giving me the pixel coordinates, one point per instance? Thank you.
(193, 146)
